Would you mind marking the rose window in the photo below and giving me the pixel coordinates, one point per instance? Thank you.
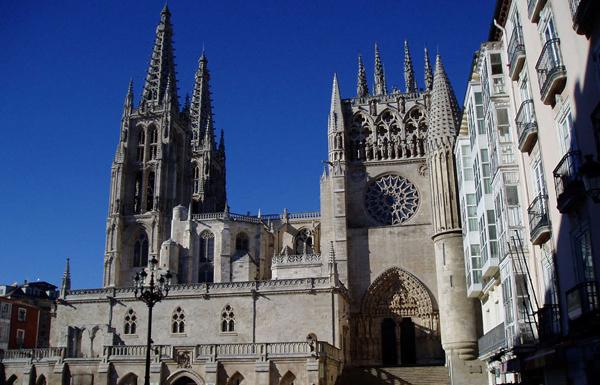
(391, 199)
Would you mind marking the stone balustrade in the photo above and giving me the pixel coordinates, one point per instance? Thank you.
(137, 351)
(296, 259)
(33, 354)
(301, 216)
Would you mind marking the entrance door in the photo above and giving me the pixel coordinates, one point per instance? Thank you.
(389, 355)
(408, 352)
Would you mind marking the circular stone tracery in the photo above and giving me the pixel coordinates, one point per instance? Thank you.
(391, 199)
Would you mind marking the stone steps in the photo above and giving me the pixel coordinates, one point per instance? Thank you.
(405, 375)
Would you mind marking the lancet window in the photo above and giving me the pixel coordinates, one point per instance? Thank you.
(153, 133)
(206, 257)
(150, 192)
(140, 145)
(196, 180)
(304, 242)
(130, 324)
(140, 251)
(227, 320)
(137, 197)
(178, 321)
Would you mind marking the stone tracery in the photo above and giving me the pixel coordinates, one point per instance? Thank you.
(391, 199)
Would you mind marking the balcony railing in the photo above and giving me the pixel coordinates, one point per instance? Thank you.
(526, 126)
(516, 53)
(584, 14)
(533, 9)
(582, 301)
(552, 74)
(539, 220)
(548, 322)
(296, 259)
(568, 184)
(492, 341)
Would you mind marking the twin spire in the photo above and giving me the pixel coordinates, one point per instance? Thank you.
(410, 80)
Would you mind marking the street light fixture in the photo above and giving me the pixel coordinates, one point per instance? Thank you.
(152, 292)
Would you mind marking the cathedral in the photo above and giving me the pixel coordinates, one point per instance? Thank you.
(373, 279)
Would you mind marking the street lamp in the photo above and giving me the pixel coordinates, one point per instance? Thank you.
(154, 291)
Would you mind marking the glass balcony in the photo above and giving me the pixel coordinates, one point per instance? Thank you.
(533, 9)
(526, 126)
(568, 184)
(549, 323)
(584, 14)
(552, 74)
(516, 53)
(582, 307)
(539, 220)
(492, 341)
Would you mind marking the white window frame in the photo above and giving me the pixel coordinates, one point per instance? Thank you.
(22, 311)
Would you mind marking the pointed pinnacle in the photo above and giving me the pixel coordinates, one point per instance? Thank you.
(409, 71)
(443, 116)
(428, 72)
(379, 88)
(362, 88)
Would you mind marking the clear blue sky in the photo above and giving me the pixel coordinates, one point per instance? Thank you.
(65, 68)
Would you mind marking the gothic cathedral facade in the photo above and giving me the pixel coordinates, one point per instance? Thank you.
(376, 277)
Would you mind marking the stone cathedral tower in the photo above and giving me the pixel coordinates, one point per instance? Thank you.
(165, 157)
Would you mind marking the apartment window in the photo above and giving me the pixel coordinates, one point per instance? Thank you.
(476, 262)
(496, 64)
(478, 193)
(582, 245)
(512, 195)
(565, 129)
(486, 171)
(20, 338)
(492, 233)
(508, 300)
(465, 151)
(22, 314)
(503, 124)
(539, 183)
(479, 113)
(4, 309)
(472, 212)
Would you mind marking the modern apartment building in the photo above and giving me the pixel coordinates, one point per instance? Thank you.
(529, 140)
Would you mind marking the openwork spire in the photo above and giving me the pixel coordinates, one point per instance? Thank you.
(380, 88)
(443, 116)
(362, 88)
(201, 107)
(162, 64)
(128, 103)
(336, 122)
(428, 72)
(409, 71)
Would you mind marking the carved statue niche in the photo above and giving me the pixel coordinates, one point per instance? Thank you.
(415, 123)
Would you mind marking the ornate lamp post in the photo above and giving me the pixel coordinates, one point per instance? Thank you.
(152, 292)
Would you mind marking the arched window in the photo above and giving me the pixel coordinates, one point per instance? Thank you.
(137, 197)
(206, 251)
(153, 133)
(178, 323)
(242, 243)
(150, 192)
(304, 242)
(140, 145)
(130, 322)
(196, 180)
(227, 320)
(140, 251)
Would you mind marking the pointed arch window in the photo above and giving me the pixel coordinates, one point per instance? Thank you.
(153, 134)
(178, 321)
(196, 180)
(206, 251)
(137, 197)
(140, 145)
(130, 324)
(150, 192)
(227, 320)
(140, 251)
(304, 242)
(242, 243)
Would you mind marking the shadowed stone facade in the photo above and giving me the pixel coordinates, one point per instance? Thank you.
(376, 277)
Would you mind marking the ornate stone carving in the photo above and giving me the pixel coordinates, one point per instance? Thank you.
(391, 199)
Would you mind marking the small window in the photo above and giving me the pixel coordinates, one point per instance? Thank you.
(241, 243)
(178, 324)
(227, 320)
(496, 63)
(140, 251)
(130, 322)
(20, 338)
(22, 314)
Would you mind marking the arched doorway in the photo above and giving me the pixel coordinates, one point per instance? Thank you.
(184, 381)
(408, 349)
(389, 353)
(398, 323)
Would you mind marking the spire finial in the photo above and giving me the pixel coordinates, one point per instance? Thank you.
(335, 110)
(201, 107)
(362, 88)
(409, 72)
(380, 88)
(333, 271)
(222, 142)
(428, 72)
(66, 280)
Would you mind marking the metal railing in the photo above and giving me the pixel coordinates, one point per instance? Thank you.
(493, 340)
(549, 65)
(525, 121)
(582, 299)
(567, 182)
(548, 322)
(538, 216)
(515, 46)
